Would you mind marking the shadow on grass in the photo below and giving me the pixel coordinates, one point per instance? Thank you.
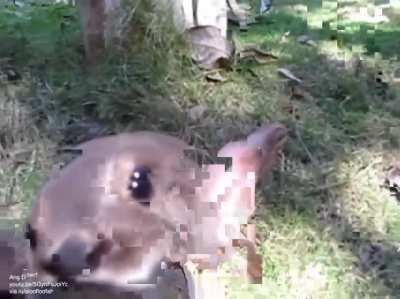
(370, 37)
(346, 101)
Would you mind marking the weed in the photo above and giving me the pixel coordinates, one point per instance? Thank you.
(324, 211)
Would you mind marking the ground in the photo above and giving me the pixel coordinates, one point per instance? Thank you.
(328, 226)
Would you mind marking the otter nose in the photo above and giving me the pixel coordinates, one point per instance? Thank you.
(70, 259)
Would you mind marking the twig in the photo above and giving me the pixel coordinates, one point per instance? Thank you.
(308, 152)
(321, 176)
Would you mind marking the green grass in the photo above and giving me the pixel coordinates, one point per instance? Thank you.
(324, 205)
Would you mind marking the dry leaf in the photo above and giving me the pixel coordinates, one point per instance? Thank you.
(305, 39)
(215, 77)
(285, 37)
(289, 75)
(254, 52)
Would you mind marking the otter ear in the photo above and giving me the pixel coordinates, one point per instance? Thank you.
(258, 153)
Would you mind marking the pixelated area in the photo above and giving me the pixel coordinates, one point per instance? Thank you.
(110, 217)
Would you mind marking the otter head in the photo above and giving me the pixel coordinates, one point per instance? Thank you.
(132, 204)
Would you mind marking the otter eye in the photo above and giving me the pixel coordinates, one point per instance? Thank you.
(31, 235)
(140, 185)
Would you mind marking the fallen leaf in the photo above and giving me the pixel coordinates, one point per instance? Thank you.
(12, 75)
(285, 37)
(305, 39)
(215, 77)
(289, 75)
(254, 52)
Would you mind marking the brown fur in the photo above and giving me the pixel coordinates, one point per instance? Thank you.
(194, 214)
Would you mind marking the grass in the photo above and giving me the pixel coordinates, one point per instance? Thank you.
(328, 227)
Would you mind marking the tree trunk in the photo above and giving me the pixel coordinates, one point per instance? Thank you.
(92, 13)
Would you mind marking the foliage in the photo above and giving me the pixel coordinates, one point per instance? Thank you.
(324, 207)
(35, 34)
